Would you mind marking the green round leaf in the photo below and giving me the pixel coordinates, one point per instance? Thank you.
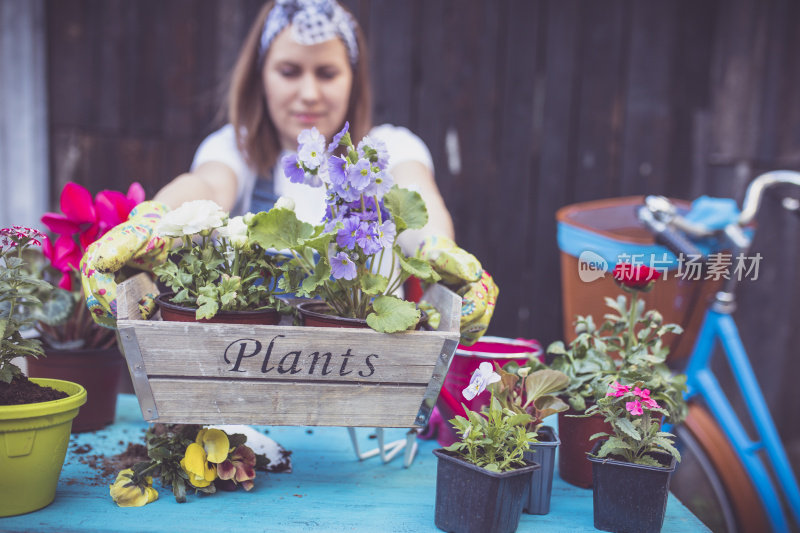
(392, 314)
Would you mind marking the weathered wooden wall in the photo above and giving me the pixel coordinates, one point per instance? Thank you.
(542, 102)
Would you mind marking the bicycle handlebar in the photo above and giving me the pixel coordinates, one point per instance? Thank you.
(676, 233)
(752, 198)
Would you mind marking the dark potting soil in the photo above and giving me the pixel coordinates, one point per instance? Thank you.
(105, 468)
(21, 391)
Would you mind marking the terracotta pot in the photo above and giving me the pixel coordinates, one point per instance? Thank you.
(317, 313)
(178, 313)
(97, 370)
(573, 465)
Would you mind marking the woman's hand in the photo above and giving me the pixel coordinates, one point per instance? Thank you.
(132, 243)
(463, 272)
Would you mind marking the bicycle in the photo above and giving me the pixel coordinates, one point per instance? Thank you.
(701, 433)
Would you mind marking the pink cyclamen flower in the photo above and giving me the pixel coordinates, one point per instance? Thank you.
(619, 390)
(634, 407)
(65, 256)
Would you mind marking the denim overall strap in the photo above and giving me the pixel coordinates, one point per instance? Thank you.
(263, 197)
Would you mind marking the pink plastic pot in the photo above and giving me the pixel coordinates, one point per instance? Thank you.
(465, 361)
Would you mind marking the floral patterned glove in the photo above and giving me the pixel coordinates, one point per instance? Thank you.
(463, 272)
(132, 243)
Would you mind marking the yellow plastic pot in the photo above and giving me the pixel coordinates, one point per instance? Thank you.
(33, 444)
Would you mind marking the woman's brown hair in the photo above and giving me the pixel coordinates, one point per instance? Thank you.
(256, 135)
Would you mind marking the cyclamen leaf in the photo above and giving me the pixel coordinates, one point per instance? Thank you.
(625, 425)
(392, 314)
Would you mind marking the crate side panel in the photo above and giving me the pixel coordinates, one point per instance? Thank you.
(285, 404)
(287, 353)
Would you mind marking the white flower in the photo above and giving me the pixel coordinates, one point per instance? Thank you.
(482, 377)
(285, 202)
(192, 217)
(524, 371)
(235, 231)
(311, 150)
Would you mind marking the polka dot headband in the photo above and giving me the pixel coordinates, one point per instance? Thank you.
(313, 22)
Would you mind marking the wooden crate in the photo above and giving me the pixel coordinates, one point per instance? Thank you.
(284, 375)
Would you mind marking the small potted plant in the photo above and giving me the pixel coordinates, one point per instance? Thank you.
(35, 414)
(533, 389)
(351, 260)
(482, 479)
(216, 274)
(627, 347)
(631, 467)
(77, 348)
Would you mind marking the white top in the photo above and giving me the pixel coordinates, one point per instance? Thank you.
(220, 146)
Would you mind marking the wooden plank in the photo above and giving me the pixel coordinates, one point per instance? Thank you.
(604, 31)
(559, 134)
(391, 61)
(288, 353)
(285, 404)
(518, 57)
(128, 295)
(648, 123)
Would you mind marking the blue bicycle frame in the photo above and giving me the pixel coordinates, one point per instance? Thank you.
(719, 326)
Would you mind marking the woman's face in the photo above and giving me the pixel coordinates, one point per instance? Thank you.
(306, 85)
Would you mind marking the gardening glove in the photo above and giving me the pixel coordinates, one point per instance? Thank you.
(132, 243)
(462, 272)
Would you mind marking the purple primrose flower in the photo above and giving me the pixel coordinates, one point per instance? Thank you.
(342, 267)
(293, 169)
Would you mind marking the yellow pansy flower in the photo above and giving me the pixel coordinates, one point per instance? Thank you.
(202, 456)
(126, 493)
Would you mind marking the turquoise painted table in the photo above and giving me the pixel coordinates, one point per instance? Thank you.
(328, 490)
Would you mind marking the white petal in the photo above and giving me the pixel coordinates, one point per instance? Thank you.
(470, 392)
(485, 368)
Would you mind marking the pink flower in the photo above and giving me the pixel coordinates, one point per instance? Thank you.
(650, 403)
(65, 256)
(619, 390)
(643, 394)
(634, 407)
(88, 219)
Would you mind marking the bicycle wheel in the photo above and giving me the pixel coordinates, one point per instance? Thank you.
(711, 481)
